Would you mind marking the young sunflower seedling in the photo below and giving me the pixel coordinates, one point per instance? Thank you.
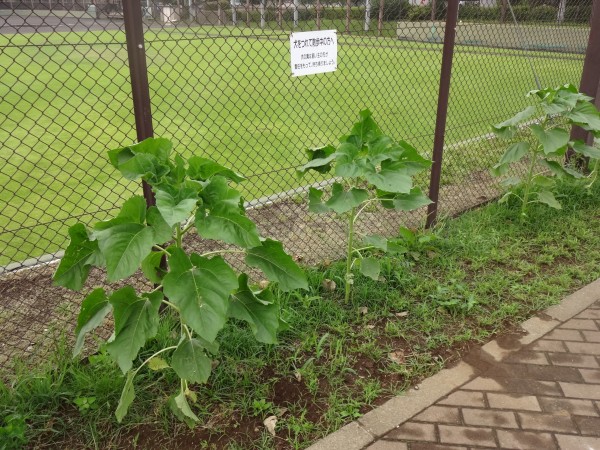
(202, 290)
(370, 168)
(560, 108)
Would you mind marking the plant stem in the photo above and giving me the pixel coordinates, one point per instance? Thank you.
(178, 237)
(166, 349)
(168, 303)
(216, 252)
(349, 254)
(528, 182)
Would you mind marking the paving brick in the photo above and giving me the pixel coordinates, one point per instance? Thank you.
(588, 425)
(568, 406)
(513, 401)
(589, 314)
(411, 431)
(439, 414)
(483, 384)
(528, 357)
(576, 390)
(525, 440)
(546, 422)
(573, 360)
(584, 347)
(546, 345)
(591, 336)
(579, 324)
(387, 445)
(428, 446)
(564, 335)
(483, 437)
(577, 442)
(464, 398)
(543, 373)
(590, 375)
(489, 418)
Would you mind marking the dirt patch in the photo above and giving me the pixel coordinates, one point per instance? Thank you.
(33, 312)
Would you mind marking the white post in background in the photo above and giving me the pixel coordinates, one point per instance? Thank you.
(296, 6)
(262, 14)
(367, 14)
(233, 12)
(562, 6)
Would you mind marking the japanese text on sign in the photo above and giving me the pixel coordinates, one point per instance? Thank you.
(313, 52)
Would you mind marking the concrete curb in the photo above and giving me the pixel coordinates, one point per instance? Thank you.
(358, 434)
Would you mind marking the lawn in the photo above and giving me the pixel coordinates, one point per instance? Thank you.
(478, 276)
(66, 100)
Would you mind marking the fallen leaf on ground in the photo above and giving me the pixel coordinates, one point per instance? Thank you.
(328, 285)
(270, 423)
(397, 356)
(369, 327)
(402, 314)
(363, 310)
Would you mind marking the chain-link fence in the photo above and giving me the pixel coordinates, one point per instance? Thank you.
(220, 86)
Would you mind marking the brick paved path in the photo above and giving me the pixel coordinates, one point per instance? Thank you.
(545, 396)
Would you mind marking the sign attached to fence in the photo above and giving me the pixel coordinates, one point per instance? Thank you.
(313, 52)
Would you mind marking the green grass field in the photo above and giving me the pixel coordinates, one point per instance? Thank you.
(65, 100)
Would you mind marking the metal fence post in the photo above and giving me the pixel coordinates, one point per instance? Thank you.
(442, 110)
(136, 53)
(590, 78)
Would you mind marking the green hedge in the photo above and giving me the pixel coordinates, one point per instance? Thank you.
(401, 10)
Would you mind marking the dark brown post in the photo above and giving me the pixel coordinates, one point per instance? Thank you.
(442, 110)
(380, 21)
(348, 9)
(318, 14)
(590, 78)
(134, 35)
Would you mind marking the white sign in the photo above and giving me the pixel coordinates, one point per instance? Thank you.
(313, 52)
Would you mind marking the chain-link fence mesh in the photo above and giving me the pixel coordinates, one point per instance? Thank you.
(220, 86)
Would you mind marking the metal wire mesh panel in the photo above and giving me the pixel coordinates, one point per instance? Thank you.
(221, 86)
(64, 99)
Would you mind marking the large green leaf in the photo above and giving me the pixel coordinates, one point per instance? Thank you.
(554, 141)
(507, 128)
(136, 321)
(228, 225)
(586, 150)
(258, 309)
(349, 163)
(319, 159)
(190, 362)
(200, 288)
(404, 202)
(218, 192)
(314, 201)
(365, 129)
(342, 201)
(160, 148)
(561, 172)
(162, 231)
(124, 246)
(370, 267)
(176, 203)
(94, 309)
(151, 267)
(548, 198)
(134, 209)
(80, 255)
(203, 169)
(376, 241)
(277, 265)
(182, 410)
(514, 153)
(391, 181)
(127, 397)
(585, 115)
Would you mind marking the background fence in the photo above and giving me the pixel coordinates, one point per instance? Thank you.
(220, 85)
